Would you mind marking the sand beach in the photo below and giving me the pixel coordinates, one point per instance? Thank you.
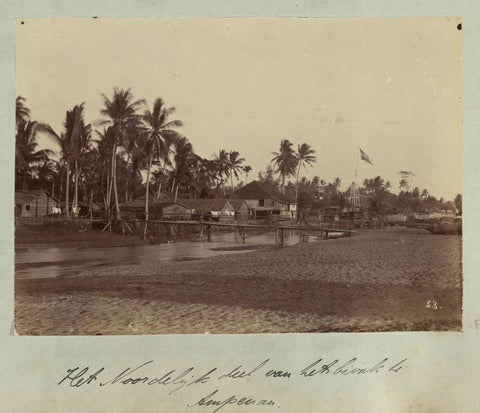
(393, 279)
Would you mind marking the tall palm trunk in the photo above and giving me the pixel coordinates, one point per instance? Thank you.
(90, 204)
(126, 178)
(296, 183)
(75, 195)
(176, 193)
(67, 192)
(114, 175)
(108, 196)
(146, 196)
(103, 191)
(60, 194)
(160, 184)
(110, 185)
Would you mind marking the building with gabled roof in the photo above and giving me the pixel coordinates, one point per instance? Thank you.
(263, 201)
(162, 208)
(34, 203)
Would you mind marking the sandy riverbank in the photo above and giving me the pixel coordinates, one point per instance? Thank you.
(379, 280)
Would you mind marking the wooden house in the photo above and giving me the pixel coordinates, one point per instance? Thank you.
(263, 202)
(163, 208)
(215, 209)
(34, 203)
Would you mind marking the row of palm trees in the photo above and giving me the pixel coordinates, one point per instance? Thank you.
(130, 143)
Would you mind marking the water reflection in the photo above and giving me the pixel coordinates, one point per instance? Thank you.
(53, 262)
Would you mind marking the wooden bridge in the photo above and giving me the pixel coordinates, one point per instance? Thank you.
(205, 228)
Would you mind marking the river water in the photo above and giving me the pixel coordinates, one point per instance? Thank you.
(54, 262)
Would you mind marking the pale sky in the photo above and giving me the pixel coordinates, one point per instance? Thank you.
(389, 86)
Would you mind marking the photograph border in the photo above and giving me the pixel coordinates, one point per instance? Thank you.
(440, 367)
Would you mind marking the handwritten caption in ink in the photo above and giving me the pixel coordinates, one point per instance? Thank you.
(175, 380)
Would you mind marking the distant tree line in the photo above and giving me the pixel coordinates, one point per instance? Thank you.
(318, 194)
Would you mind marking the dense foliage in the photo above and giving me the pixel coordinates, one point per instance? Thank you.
(137, 151)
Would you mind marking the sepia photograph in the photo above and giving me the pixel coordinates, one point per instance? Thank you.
(237, 175)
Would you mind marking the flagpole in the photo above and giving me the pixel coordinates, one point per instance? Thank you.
(354, 194)
(356, 170)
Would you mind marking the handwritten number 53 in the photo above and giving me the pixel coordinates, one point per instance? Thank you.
(432, 304)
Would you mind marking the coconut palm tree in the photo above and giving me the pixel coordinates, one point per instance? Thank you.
(169, 141)
(22, 113)
(234, 165)
(131, 143)
(285, 161)
(378, 184)
(222, 166)
(120, 110)
(156, 129)
(27, 158)
(374, 185)
(77, 135)
(47, 174)
(70, 142)
(305, 156)
(104, 149)
(184, 161)
(336, 183)
(206, 176)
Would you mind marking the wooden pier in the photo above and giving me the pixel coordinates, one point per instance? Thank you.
(240, 228)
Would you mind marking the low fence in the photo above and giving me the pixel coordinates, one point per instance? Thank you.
(56, 220)
(28, 221)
